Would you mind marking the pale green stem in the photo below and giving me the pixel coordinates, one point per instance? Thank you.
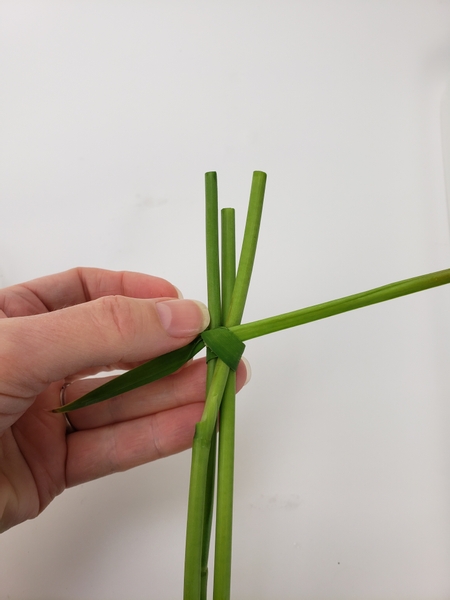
(225, 485)
(255, 329)
(215, 311)
(212, 249)
(248, 252)
(206, 427)
(171, 362)
(208, 505)
(225, 467)
(199, 468)
(195, 521)
(228, 258)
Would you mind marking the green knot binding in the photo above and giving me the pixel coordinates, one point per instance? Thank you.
(225, 345)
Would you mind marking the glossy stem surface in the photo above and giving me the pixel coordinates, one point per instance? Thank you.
(225, 466)
(261, 327)
(205, 429)
(215, 311)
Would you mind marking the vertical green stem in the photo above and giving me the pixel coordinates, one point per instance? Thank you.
(215, 311)
(225, 469)
(212, 249)
(206, 427)
(208, 513)
(247, 256)
(204, 432)
(195, 520)
(228, 258)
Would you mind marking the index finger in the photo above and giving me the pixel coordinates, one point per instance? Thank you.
(79, 285)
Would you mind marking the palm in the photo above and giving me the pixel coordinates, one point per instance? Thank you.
(34, 453)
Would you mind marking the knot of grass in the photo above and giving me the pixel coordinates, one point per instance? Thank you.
(224, 344)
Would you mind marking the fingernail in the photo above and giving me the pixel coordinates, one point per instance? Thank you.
(248, 370)
(180, 295)
(182, 318)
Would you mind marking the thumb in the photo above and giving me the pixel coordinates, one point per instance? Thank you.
(40, 349)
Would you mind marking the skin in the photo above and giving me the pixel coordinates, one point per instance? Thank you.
(57, 330)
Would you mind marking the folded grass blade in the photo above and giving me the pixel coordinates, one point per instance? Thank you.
(225, 344)
(150, 371)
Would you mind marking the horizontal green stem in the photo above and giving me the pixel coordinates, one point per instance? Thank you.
(335, 307)
(171, 362)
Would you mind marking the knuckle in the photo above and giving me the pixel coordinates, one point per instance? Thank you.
(116, 311)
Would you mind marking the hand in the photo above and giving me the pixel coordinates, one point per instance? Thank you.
(58, 329)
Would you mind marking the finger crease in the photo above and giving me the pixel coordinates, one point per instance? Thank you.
(155, 432)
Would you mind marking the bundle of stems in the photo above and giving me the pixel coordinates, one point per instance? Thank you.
(221, 387)
(227, 293)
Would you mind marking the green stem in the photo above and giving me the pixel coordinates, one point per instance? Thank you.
(248, 252)
(228, 258)
(208, 514)
(212, 249)
(335, 307)
(171, 362)
(215, 311)
(199, 468)
(195, 520)
(205, 428)
(225, 485)
(225, 467)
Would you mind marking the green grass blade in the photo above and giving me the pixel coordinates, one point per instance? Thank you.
(224, 344)
(150, 371)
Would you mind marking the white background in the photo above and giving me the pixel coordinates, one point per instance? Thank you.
(111, 112)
